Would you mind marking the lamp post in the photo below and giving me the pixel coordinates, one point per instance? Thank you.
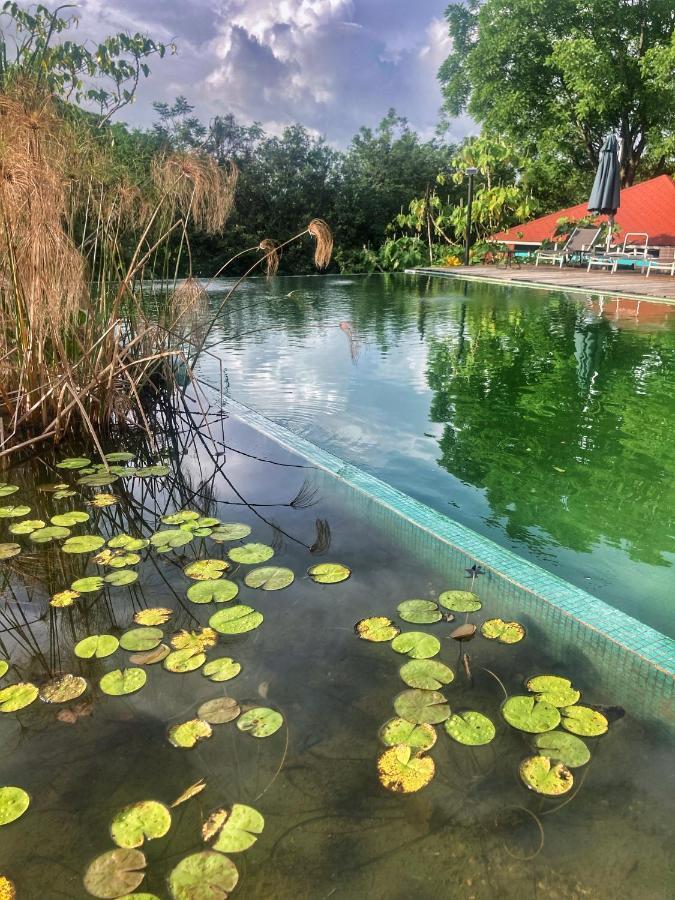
(471, 171)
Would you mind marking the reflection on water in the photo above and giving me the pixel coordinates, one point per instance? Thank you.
(540, 420)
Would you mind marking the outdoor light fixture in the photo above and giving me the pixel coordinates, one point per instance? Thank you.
(471, 171)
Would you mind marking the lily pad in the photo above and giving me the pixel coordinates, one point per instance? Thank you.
(7, 489)
(171, 539)
(219, 711)
(28, 526)
(531, 715)
(62, 689)
(156, 615)
(470, 728)
(206, 522)
(98, 479)
(150, 471)
(189, 793)
(150, 656)
(121, 577)
(236, 619)
(122, 681)
(554, 689)
(269, 578)
(416, 644)
(230, 531)
(13, 512)
(181, 517)
(377, 629)
(96, 646)
(584, 721)
(427, 674)
(400, 731)
(101, 500)
(251, 554)
(460, 601)
(260, 722)
(49, 534)
(17, 696)
(74, 462)
(64, 599)
(540, 774)
(145, 820)
(464, 632)
(181, 661)
(402, 772)
(115, 873)
(329, 573)
(61, 495)
(203, 876)
(119, 456)
(504, 632)
(127, 542)
(563, 747)
(237, 830)
(7, 551)
(422, 707)
(198, 640)
(116, 559)
(218, 590)
(186, 734)
(222, 669)
(7, 888)
(68, 519)
(88, 585)
(14, 802)
(419, 612)
(83, 543)
(4, 667)
(206, 569)
(141, 639)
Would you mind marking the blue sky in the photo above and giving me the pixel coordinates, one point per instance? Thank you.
(333, 65)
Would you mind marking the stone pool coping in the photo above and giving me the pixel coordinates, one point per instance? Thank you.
(631, 635)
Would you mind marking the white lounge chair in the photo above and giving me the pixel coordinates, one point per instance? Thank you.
(581, 240)
(665, 262)
(633, 251)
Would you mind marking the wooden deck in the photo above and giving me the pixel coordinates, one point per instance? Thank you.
(632, 285)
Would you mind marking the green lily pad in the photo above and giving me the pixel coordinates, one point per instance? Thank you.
(377, 629)
(13, 512)
(7, 489)
(117, 559)
(88, 585)
(14, 802)
(422, 707)
(554, 690)
(119, 456)
(28, 526)
(184, 660)
(62, 689)
(141, 639)
(419, 612)
(203, 876)
(269, 578)
(74, 462)
(584, 721)
(7, 551)
(181, 517)
(219, 711)
(402, 772)
(251, 554)
(206, 569)
(400, 731)
(150, 657)
(260, 722)
(96, 646)
(222, 669)
(209, 522)
(329, 573)
(470, 728)
(121, 577)
(98, 479)
(416, 644)
(218, 590)
(61, 495)
(155, 615)
(230, 531)
(150, 472)
(170, 539)
(427, 674)
(504, 632)
(17, 696)
(540, 774)
(236, 619)
(83, 543)
(48, 534)
(70, 518)
(115, 873)
(4, 667)
(126, 542)
(122, 681)
(239, 829)
(186, 734)
(145, 820)
(531, 715)
(563, 747)
(460, 601)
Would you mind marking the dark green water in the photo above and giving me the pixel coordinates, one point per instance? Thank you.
(541, 420)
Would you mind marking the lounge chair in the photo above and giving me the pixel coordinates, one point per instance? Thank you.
(633, 251)
(581, 240)
(665, 262)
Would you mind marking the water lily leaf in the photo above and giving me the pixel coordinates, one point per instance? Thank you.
(115, 873)
(17, 696)
(170, 539)
(377, 629)
(422, 707)
(14, 802)
(329, 573)
(470, 728)
(236, 619)
(189, 793)
(206, 569)
(269, 578)
(7, 489)
(540, 774)
(145, 820)
(7, 551)
(427, 674)
(584, 721)
(402, 772)
(13, 512)
(251, 554)
(98, 479)
(126, 542)
(463, 632)
(419, 612)
(49, 488)
(61, 495)
(181, 661)
(96, 646)
(102, 500)
(219, 711)
(4, 667)
(460, 601)
(62, 689)
(119, 456)
(260, 722)
(401, 731)
(27, 526)
(65, 598)
(222, 669)
(563, 747)
(150, 471)
(141, 639)
(207, 522)
(554, 689)
(7, 888)
(203, 876)
(181, 517)
(116, 559)
(230, 531)
(122, 681)
(83, 543)
(121, 577)
(218, 590)
(88, 585)
(48, 534)
(187, 734)
(70, 518)
(156, 615)
(504, 632)
(74, 462)
(150, 656)
(198, 640)
(530, 714)
(416, 644)
(235, 831)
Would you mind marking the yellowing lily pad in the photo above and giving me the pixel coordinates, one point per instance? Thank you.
(377, 629)
(584, 721)
(145, 820)
(260, 722)
(402, 772)
(14, 802)
(504, 632)
(419, 612)
(74, 462)
(82, 543)
(156, 615)
(4, 667)
(540, 774)
(531, 715)
(7, 551)
(64, 598)
(181, 661)
(427, 674)
(17, 696)
(203, 876)
(237, 830)
(13, 512)
(116, 559)
(186, 734)
(554, 690)
(422, 707)
(7, 888)
(401, 731)
(63, 688)
(219, 711)
(206, 569)
(236, 619)
(150, 656)
(181, 517)
(218, 590)
(102, 500)
(89, 585)
(470, 728)
(68, 519)
(48, 534)
(563, 747)
(460, 601)
(269, 578)
(96, 646)
(416, 644)
(329, 573)
(251, 554)
(115, 873)
(122, 681)
(222, 669)
(141, 639)
(198, 640)
(28, 526)
(230, 531)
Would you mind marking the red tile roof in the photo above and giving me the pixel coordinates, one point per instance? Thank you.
(646, 207)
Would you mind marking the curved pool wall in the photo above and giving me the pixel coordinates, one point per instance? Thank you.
(632, 663)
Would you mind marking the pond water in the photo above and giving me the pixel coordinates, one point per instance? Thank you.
(330, 829)
(541, 420)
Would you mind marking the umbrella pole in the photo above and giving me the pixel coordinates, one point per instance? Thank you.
(610, 230)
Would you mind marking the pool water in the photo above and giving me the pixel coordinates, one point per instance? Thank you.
(542, 420)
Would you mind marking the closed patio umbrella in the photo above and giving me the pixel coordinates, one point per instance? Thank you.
(605, 197)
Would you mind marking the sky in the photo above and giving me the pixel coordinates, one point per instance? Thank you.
(333, 65)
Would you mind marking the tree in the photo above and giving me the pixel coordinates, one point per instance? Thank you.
(177, 126)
